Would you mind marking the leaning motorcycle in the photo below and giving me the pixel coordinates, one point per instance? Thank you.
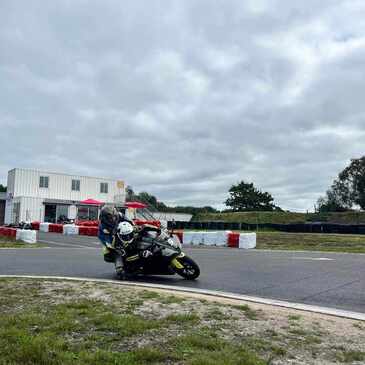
(167, 257)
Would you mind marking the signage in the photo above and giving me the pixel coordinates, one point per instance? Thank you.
(120, 184)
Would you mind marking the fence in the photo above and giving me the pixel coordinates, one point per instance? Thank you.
(291, 227)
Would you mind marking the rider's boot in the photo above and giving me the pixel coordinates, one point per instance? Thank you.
(119, 267)
(108, 254)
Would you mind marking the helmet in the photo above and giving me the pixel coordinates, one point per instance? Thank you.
(109, 215)
(125, 232)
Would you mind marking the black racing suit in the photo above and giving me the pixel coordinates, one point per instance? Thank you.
(133, 254)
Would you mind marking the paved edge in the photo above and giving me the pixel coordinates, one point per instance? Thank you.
(212, 293)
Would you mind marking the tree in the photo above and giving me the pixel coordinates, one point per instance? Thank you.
(2, 188)
(347, 190)
(146, 198)
(331, 202)
(350, 184)
(245, 197)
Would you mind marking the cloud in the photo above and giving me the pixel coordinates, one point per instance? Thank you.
(184, 98)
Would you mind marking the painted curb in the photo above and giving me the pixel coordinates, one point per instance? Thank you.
(212, 293)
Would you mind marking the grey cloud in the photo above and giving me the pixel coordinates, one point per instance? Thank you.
(184, 98)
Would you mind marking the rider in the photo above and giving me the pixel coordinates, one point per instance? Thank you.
(109, 220)
(129, 234)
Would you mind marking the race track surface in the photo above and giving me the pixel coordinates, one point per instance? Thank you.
(325, 279)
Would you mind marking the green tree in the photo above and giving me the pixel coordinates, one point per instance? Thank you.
(2, 188)
(350, 185)
(245, 197)
(146, 198)
(331, 202)
(348, 190)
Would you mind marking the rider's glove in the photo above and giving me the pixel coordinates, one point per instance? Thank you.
(109, 245)
(146, 253)
(106, 231)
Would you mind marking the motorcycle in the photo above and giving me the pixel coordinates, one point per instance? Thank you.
(167, 257)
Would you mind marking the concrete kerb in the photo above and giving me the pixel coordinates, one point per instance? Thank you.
(208, 293)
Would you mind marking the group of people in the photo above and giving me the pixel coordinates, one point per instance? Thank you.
(114, 222)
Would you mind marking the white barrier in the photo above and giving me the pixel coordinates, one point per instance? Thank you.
(218, 238)
(26, 235)
(70, 229)
(247, 240)
(44, 227)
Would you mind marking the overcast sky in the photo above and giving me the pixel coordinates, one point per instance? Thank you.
(184, 98)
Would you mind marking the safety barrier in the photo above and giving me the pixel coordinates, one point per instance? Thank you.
(25, 235)
(8, 232)
(55, 228)
(219, 238)
(211, 238)
(88, 231)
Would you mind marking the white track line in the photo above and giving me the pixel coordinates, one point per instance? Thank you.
(213, 293)
(66, 245)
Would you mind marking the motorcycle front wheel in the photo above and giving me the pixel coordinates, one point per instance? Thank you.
(190, 269)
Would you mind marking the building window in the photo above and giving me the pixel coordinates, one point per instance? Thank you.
(75, 185)
(104, 188)
(43, 181)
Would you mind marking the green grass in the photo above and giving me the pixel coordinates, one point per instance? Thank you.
(349, 356)
(253, 217)
(50, 322)
(248, 311)
(6, 242)
(205, 348)
(311, 242)
(283, 217)
(34, 330)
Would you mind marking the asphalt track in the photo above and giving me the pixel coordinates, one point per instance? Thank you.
(322, 279)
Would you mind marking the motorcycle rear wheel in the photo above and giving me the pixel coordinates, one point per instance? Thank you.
(191, 269)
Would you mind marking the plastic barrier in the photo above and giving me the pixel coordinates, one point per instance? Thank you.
(35, 225)
(93, 231)
(70, 229)
(94, 223)
(218, 238)
(180, 235)
(26, 235)
(44, 227)
(83, 230)
(8, 232)
(233, 239)
(247, 240)
(55, 228)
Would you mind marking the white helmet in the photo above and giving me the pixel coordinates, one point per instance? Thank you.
(125, 232)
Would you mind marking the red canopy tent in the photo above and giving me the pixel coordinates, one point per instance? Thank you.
(135, 205)
(91, 202)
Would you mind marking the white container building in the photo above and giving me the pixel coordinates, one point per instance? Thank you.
(34, 195)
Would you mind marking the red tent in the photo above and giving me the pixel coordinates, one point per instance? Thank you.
(91, 202)
(136, 205)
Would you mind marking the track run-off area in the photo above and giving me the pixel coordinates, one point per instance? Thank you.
(332, 280)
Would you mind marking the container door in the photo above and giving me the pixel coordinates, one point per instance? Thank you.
(50, 213)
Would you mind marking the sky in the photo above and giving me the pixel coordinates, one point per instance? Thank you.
(185, 98)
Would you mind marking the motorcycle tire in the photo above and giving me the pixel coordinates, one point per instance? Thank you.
(191, 269)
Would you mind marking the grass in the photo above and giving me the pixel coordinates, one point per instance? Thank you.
(35, 329)
(248, 311)
(311, 242)
(284, 217)
(50, 322)
(350, 356)
(6, 242)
